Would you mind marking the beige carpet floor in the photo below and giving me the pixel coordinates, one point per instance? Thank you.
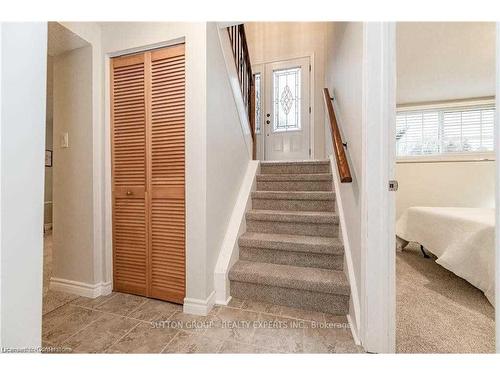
(437, 311)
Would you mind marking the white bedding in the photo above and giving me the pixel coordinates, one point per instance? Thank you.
(463, 239)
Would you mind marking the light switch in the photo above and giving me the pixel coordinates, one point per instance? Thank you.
(64, 140)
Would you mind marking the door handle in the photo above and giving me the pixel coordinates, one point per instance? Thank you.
(129, 192)
(268, 122)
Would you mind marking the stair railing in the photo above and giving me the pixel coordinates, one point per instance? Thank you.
(338, 145)
(241, 56)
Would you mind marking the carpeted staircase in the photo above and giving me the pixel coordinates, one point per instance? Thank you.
(291, 254)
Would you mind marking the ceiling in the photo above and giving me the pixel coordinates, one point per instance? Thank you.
(441, 61)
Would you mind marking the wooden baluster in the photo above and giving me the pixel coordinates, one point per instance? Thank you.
(241, 56)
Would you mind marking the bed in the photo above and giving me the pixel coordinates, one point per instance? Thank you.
(462, 239)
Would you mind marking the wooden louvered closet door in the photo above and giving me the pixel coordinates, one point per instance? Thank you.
(167, 174)
(130, 254)
(148, 118)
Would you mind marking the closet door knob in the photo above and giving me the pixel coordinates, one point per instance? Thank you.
(129, 192)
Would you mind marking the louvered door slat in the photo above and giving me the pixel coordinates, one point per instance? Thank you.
(167, 174)
(130, 250)
(148, 94)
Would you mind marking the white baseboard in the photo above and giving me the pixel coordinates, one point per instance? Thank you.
(354, 300)
(79, 288)
(106, 288)
(354, 330)
(223, 302)
(197, 306)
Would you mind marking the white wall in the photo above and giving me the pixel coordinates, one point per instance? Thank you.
(123, 37)
(216, 153)
(344, 79)
(445, 60)
(275, 41)
(22, 93)
(460, 184)
(227, 155)
(72, 168)
(361, 73)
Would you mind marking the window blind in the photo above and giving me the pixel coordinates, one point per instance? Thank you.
(444, 131)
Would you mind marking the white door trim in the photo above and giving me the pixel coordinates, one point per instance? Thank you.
(497, 191)
(378, 289)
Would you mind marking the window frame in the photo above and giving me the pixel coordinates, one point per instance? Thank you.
(442, 107)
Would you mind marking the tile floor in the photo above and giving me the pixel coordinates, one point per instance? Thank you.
(125, 323)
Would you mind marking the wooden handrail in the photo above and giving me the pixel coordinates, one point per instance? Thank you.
(338, 145)
(241, 56)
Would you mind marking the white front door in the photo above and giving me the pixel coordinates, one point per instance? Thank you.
(286, 110)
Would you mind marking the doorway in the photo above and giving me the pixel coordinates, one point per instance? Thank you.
(378, 289)
(283, 110)
(444, 162)
(68, 232)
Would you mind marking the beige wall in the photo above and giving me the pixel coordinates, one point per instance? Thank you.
(90, 34)
(72, 170)
(445, 60)
(460, 184)
(344, 71)
(275, 41)
(344, 80)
